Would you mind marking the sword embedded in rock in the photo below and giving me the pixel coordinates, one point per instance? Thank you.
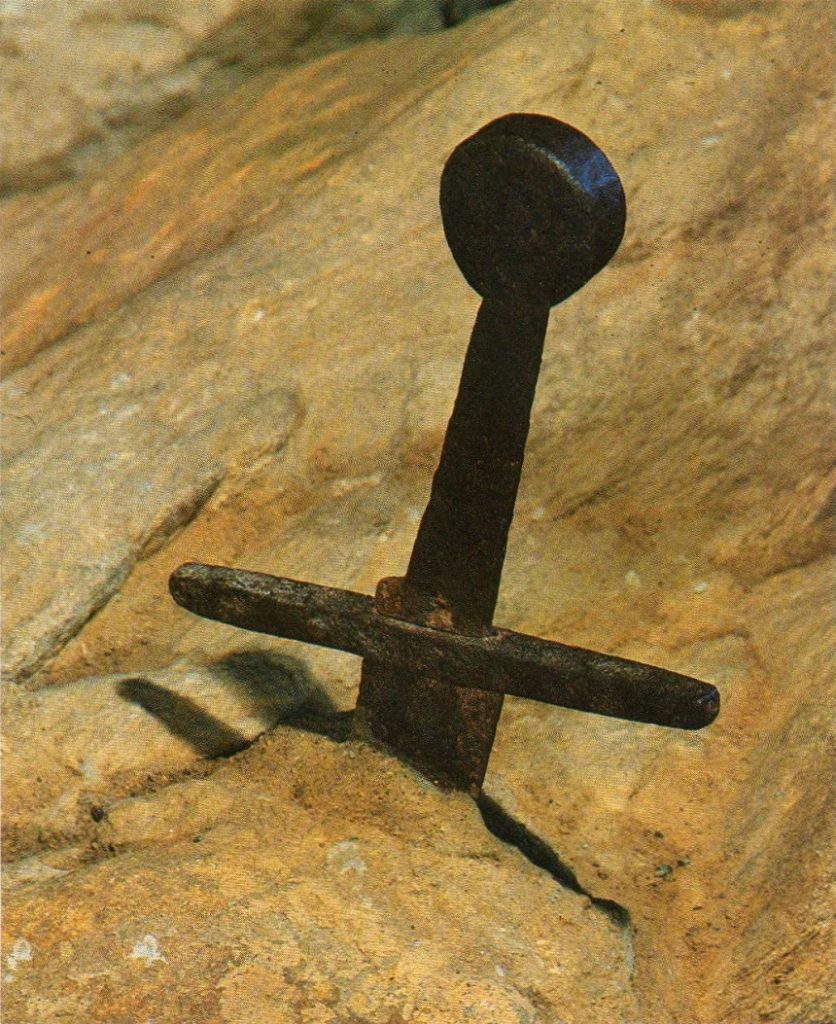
(532, 209)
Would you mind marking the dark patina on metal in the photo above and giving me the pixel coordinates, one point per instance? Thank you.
(532, 209)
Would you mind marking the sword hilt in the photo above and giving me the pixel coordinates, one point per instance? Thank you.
(532, 209)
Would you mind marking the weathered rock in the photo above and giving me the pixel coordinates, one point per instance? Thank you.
(68, 749)
(674, 506)
(306, 881)
(84, 79)
(159, 222)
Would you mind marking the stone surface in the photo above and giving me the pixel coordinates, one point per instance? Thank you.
(290, 355)
(69, 748)
(84, 79)
(289, 899)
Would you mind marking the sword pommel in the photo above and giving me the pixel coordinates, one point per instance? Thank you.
(532, 209)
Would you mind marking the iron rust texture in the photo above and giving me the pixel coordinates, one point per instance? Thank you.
(500, 661)
(531, 209)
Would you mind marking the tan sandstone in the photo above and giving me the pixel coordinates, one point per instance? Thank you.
(83, 80)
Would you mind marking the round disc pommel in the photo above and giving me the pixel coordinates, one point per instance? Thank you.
(532, 209)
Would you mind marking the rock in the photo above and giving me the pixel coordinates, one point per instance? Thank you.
(292, 356)
(272, 892)
(84, 79)
(68, 749)
(457, 11)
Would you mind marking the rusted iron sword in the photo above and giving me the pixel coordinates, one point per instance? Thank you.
(531, 209)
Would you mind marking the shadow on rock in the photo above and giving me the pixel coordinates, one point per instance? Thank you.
(282, 689)
(208, 735)
(272, 688)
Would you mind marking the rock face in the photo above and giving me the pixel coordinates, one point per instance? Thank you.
(241, 345)
(83, 79)
(307, 881)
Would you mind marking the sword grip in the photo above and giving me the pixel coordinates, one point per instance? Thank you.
(532, 209)
(460, 547)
